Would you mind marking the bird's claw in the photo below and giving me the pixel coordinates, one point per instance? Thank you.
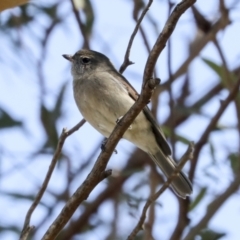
(118, 120)
(103, 146)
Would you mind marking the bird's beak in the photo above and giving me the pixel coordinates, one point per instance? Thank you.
(68, 57)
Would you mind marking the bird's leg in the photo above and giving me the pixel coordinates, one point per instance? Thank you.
(118, 120)
(103, 145)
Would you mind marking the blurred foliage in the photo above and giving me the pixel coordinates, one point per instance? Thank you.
(113, 210)
(6, 121)
(208, 234)
(49, 120)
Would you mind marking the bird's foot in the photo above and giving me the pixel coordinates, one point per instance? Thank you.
(103, 146)
(118, 120)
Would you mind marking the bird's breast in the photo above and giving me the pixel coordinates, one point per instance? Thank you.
(102, 103)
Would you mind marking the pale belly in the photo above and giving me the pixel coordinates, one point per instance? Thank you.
(103, 109)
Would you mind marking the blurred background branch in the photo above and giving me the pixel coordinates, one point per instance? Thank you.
(199, 70)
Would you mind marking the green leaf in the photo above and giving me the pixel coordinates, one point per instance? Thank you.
(6, 121)
(212, 152)
(19, 196)
(22, 19)
(215, 67)
(49, 120)
(10, 228)
(50, 11)
(182, 139)
(235, 161)
(87, 9)
(58, 105)
(219, 70)
(208, 234)
(198, 199)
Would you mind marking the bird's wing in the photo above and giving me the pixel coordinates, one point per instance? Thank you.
(161, 140)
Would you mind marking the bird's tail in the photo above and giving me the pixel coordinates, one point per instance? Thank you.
(180, 184)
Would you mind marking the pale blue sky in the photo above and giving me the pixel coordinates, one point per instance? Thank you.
(113, 25)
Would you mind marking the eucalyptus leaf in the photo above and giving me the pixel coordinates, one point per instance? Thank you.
(208, 234)
(198, 199)
(7, 121)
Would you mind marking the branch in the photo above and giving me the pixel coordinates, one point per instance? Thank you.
(126, 61)
(137, 160)
(164, 36)
(26, 228)
(79, 224)
(96, 174)
(211, 126)
(81, 26)
(213, 208)
(188, 155)
(221, 24)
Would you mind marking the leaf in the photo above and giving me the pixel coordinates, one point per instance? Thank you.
(212, 152)
(59, 101)
(21, 196)
(167, 132)
(50, 11)
(182, 139)
(10, 228)
(78, 4)
(86, 7)
(198, 199)
(22, 19)
(49, 120)
(235, 161)
(88, 10)
(208, 234)
(6, 121)
(219, 70)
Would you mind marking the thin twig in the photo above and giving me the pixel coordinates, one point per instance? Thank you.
(81, 26)
(153, 183)
(39, 195)
(203, 139)
(164, 36)
(213, 208)
(221, 24)
(188, 155)
(148, 86)
(126, 61)
(171, 100)
(137, 160)
(27, 231)
(136, 10)
(95, 176)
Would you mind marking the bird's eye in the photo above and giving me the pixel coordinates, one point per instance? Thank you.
(85, 60)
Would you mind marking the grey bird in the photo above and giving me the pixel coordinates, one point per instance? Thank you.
(103, 95)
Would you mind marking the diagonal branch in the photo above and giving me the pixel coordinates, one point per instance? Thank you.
(164, 36)
(213, 208)
(81, 26)
(126, 61)
(211, 126)
(96, 174)
(136, 161)
(188, 155)
(26, 228)
(221, 24)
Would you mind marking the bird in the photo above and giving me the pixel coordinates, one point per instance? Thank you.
(103, 96)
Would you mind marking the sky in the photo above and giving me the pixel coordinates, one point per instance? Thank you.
(20, 95)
